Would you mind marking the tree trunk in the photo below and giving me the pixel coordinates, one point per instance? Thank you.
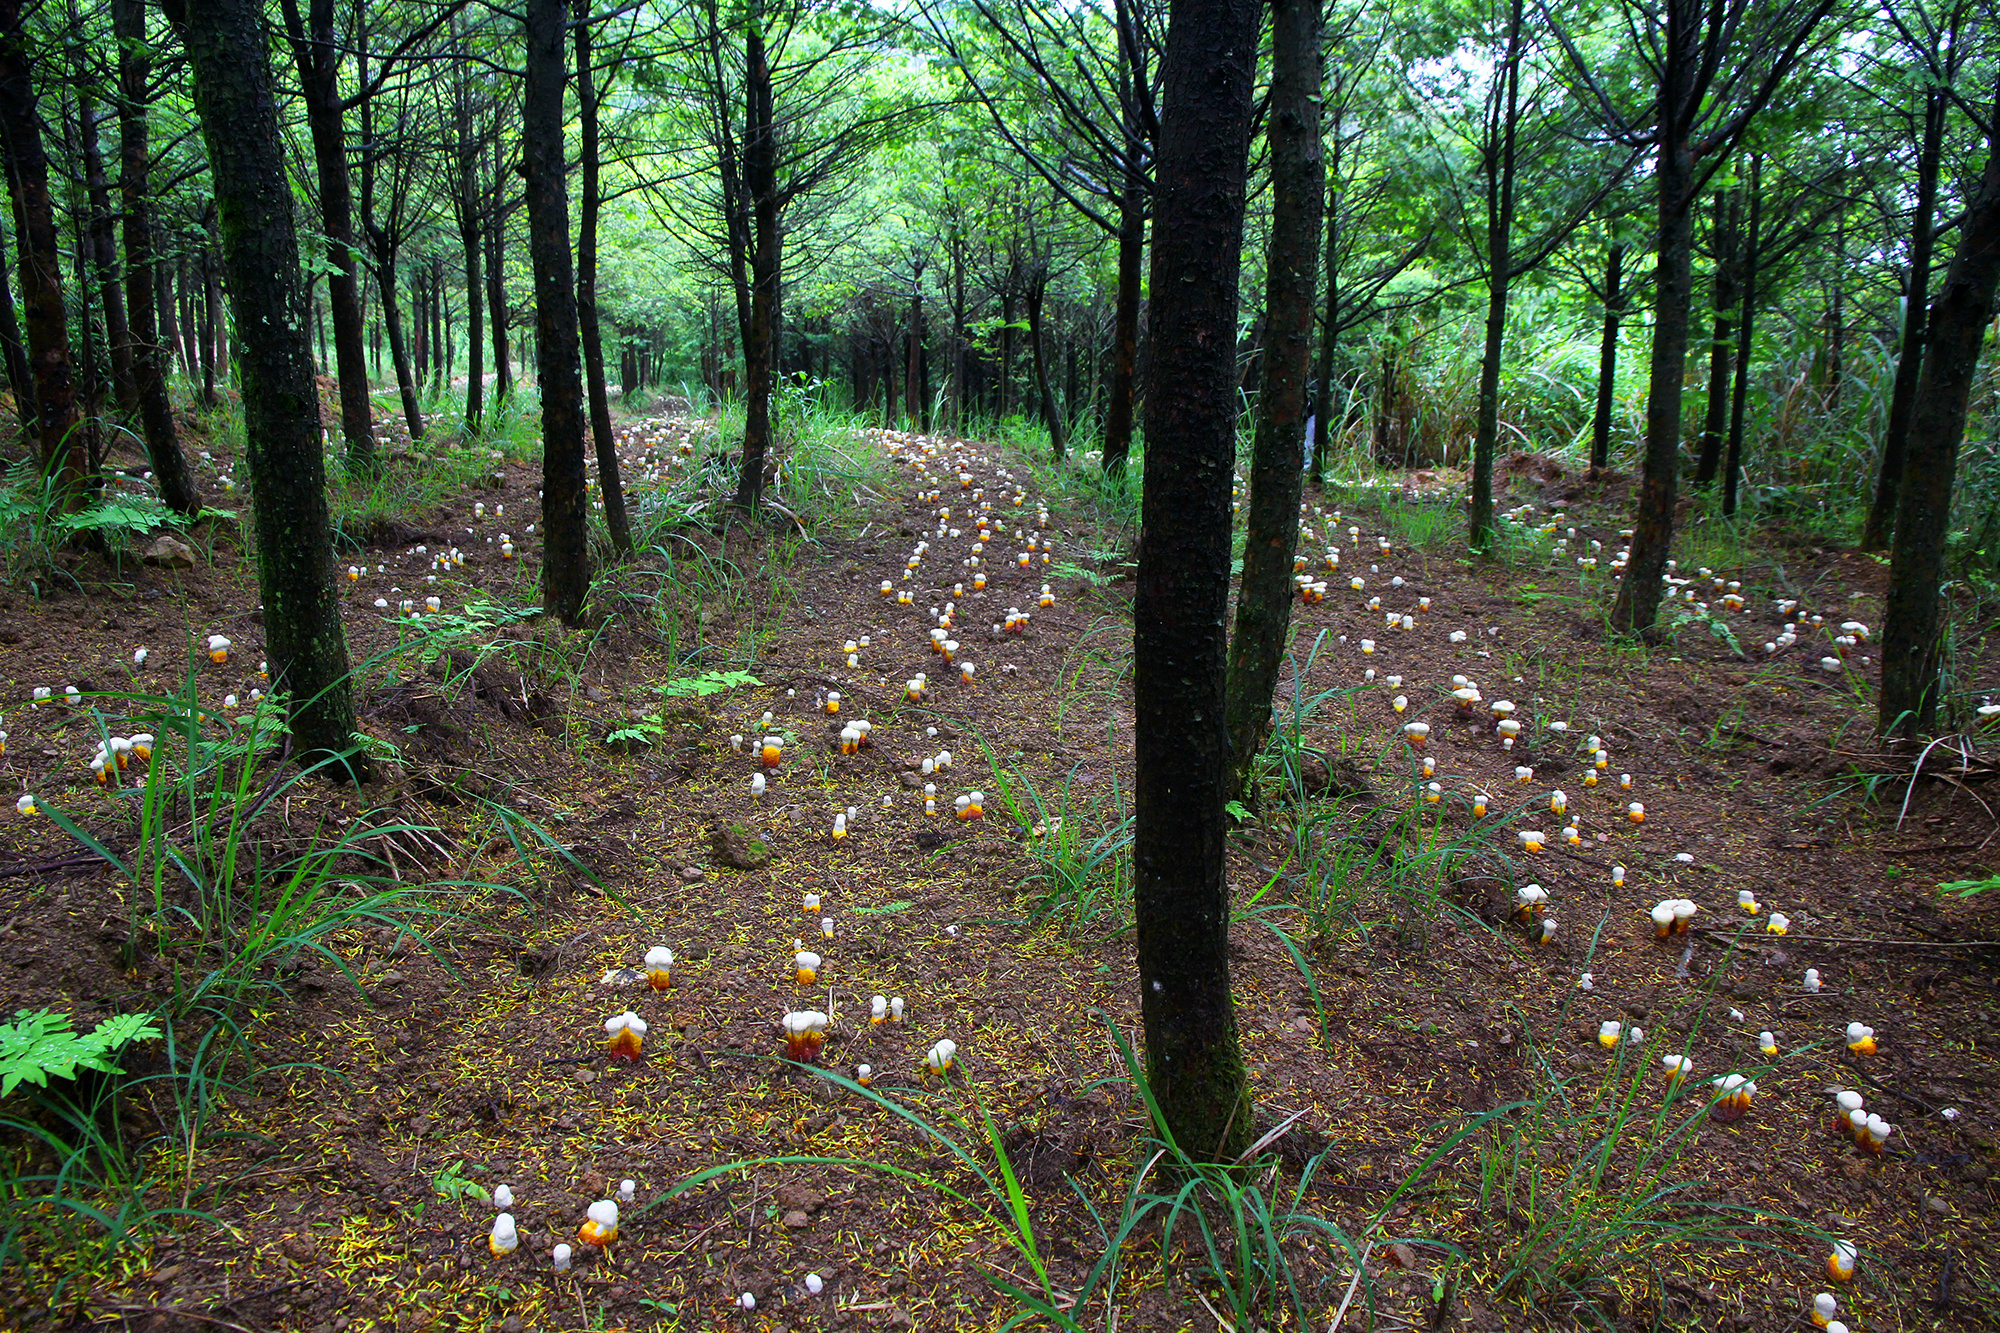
(760, 185)
(1876, 531)
(920, 408)
(59, 440)
(316, 48)
(1732, 466)
(1500, 138)
(1298, 188)
(229, 54)
(565, 512)
(1194, 1062)
(209, 316)
(1329, 333)
(1125, 324)
(1638, 602)
(1913, 635)
(149, 358)
(1722, 345)
(1607, 359)
(384, 246)
(103, 249)
(1058, 440)
(496, 286)
(466, 204)
(18, 379)
(586, 298)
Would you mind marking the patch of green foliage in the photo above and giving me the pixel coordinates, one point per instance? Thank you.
(42, 1043)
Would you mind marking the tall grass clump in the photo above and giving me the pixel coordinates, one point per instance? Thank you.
(225, 903)
(1260, 1250)
(1588, 1182)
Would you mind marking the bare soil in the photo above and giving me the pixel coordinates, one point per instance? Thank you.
(477, 1048)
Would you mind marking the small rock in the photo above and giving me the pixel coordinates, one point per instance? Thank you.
(586, 1076)
(419, 1123)
(1402, 1256)
(298, 1248)
(1302, 1023)
(740, 849)
(910, 780)
(1937, 1205)
(592, 693)
(169, 552)
(796, 1220)
(392, 978)
(693, 874)
(166, 1275)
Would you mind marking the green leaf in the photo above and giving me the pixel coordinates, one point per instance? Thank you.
(42, 1043)
(714, 682)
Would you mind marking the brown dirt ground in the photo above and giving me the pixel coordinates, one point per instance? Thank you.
(480, 1044)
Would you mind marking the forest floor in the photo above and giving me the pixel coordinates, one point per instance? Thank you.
(1437, 1078)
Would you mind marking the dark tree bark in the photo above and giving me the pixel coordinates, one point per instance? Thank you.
(18, 378)
(588, 97)
(919, 399)
(207, 348)
(1638, 600)
(760, 188)
(149, 357)
(1696, 40)
(229, 54)
(1722, 343)
(103, 250)
(316, 46)
(1913, 636)
(1329, 329)
(1298, 190)
(1125, 327)
(59, 441)
(565, 512)
(1732, 463)
(466, 206)
(1037, 292)
(1503, 124)
(496, 283)
(1607, 358)
(1194, 1062)
(1877, 529)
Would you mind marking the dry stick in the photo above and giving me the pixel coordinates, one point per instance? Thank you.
(1360, 1267)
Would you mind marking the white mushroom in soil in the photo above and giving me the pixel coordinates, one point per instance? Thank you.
(505, 1238)
(561, 1258)
(503, 1197)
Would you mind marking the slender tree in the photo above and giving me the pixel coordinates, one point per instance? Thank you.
(1298, 186)
(1732, 462)
(149, 357)
(228, 51)
(1726, 213)
(316, 45)
(1713, 65)
(1912, 633)
(1607, 357)
(60, 439)
(1193, 1058)
(1876, 529)
(588, 97)
(565, 512)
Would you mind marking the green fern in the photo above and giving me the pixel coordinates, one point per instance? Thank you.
(42, 1043)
